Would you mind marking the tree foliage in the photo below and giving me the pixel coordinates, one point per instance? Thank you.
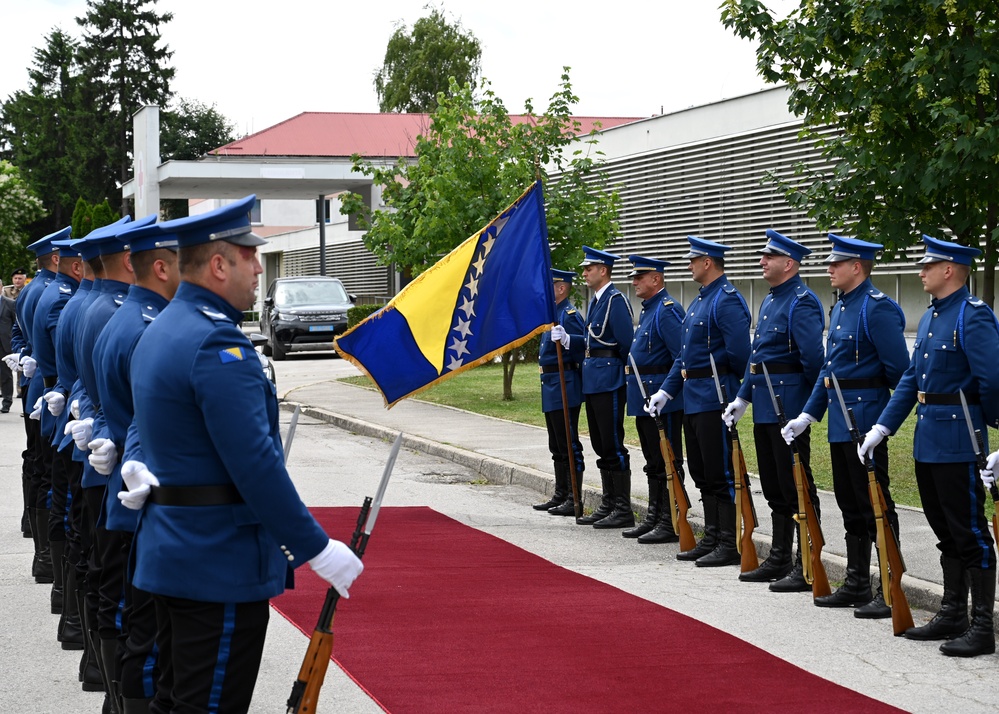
(19, 208)
(471, 162)
(911, 88)
(418, 65)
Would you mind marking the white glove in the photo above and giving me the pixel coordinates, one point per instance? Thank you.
(36, 411)
(657, 402)
(56, 401)
(81, 431)
(796, 427)
(988, 473)
(874, 437)
(28, 366)
(560, 335)
(13, 361)
(734, 412)
(139, 480)
(338, 566)
(103, 455)
(74, 408)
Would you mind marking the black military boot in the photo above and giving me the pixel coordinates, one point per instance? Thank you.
(112, 677)
(57, 550)
(91, 678)
(70, 630)
(876, 609)
(778, 562)
(980, 637)
(41, 566)
(561, 489)
(656, 488)
(663, 531)
(725, 552)
(568, 505)
(135, 706)
(856, 589)
(794, 581)
(622, 516)
(709, 540)
(952, 618)
(606, 501)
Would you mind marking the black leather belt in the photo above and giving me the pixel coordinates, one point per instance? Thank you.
(549, 368)
(950, 400)
(603, 353)
(757, 368)
(49, 382)
(704, 373)
(218, 495)
(646, 369)
(875, 383)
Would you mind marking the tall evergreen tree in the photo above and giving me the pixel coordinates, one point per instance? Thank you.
(125, 67)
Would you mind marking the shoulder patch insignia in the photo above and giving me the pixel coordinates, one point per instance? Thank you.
(231, 354)
(571, 311)
(729, 288)
(65, 289)
(802, 291)
(975, 301)
(217, 316)
(149, 313)
(667, 301)
(876, 294)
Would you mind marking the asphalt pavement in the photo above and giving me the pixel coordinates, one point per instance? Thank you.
(486, 472)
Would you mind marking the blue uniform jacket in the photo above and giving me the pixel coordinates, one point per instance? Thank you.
(655, 347)
(45, 322)
(66, 361)
(113, 355)
(205, 414)
(955, 348)
(788, 334)
(24, 310)
(716, 323)
(866, 341)
(96, 315)
(609, 326)
(551, 391)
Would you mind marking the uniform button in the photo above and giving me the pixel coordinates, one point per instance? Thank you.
(930, 335)
(920, 416)
(829, 363)
(953, 416)
(764, 317)
(842, 309)
(923, 377)
(837, 327)
(934, 314)
(859, 399)
(925, 356)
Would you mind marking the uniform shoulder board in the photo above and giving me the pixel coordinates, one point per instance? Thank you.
(65, 289)
(802, 291)
(213, 315)
(667, 301)
(729, 288)
(571, 311)
(119, 299)
(975, 301)
(149, 313)
(876, 294)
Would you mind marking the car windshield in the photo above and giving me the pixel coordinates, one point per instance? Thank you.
(309, 292)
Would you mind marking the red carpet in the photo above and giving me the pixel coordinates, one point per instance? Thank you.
(446, 618)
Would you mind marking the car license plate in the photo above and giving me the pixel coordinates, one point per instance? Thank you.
(320, 328)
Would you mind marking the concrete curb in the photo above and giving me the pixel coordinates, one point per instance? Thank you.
(921, 594)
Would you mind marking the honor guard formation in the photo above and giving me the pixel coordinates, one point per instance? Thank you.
(155, 489)
(695, 371)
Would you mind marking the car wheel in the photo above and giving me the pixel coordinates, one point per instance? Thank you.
(278, 351)
(266, 349)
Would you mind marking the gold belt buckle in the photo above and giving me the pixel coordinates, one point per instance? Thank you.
(541, 370)
(921, 397)
(587, 353)
(752, 368)
(683, 373)
(627, 369)
(828, 382)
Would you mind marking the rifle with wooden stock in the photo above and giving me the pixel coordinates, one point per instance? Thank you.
(679, 501)
(979, 445)
(305, 690)
(810, 535)
(890, 560)
(745, 509)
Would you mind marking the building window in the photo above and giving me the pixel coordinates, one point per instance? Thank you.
(255, 212)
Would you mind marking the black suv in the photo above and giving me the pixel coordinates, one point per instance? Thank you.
(303, 311)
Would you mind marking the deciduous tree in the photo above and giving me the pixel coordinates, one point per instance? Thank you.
(19, 208)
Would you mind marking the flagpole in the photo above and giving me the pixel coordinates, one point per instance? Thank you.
(577, 494)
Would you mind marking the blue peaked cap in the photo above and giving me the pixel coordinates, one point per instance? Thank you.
(701, 248)
(940, 250)
(139, 238)
(112, 242)
(562, 276)
(851, 249)
(592, 256)
(43, 246)
(88, 246)
(778, 244)
(230, 223)
(65, 247)
(642, 265)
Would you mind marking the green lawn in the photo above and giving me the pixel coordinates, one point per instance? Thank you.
(480, 390)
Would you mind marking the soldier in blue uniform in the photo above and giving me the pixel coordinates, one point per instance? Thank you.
(609, 333)
(788, 341)
(716, 324)
(569, 331)
(654, 348)
(154, 261)
(223, 527)
(866, 351)
(955, 350)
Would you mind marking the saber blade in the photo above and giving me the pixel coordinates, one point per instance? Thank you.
(291, 432)
(638, 377)
(971, 425)
(718, 385)
(376, 504)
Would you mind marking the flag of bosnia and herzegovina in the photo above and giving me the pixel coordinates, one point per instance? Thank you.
(490, 294)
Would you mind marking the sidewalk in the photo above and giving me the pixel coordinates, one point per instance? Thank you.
(505, 452)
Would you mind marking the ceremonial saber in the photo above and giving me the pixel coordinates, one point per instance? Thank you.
(978, 444)
(290, 437)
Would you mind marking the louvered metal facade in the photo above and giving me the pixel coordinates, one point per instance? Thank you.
(351, 262)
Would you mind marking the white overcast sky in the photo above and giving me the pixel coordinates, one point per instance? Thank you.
(261, 63)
